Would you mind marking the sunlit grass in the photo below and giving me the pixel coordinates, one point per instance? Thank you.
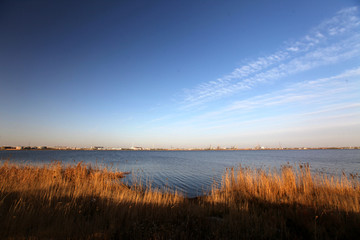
(57, 201)
(290, 185)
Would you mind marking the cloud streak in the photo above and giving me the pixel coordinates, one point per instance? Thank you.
(305, 91)
(310, 99)
(332, 41)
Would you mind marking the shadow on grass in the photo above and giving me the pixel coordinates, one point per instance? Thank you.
(91, 217)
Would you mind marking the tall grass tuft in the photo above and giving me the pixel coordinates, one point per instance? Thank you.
(290, 185)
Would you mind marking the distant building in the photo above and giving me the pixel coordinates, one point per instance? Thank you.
(7, 148)
(116, 148)
(136, 148)
(97, 148)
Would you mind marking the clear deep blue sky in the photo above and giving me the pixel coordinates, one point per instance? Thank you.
(180, 73)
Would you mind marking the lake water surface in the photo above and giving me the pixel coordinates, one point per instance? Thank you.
(192, 172)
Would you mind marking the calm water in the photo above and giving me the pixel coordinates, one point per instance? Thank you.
(192, 172)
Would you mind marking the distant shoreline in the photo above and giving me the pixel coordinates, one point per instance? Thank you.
(10, 148)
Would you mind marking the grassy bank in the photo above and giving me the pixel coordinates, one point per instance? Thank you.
(83, 202)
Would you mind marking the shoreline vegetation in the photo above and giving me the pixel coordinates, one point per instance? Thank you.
(80, 201)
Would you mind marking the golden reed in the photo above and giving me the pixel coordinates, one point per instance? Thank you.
(86, 202)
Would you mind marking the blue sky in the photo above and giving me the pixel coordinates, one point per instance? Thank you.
(180, 73)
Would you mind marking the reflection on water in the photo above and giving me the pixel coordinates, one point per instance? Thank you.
(192, 172)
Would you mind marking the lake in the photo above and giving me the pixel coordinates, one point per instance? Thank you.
(192, 172)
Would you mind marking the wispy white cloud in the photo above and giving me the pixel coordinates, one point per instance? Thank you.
(321, 90)
(310, 99)
(332, 41)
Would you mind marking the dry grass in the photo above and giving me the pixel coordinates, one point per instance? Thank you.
(84, 202)
(289, 186)
(291, 203)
